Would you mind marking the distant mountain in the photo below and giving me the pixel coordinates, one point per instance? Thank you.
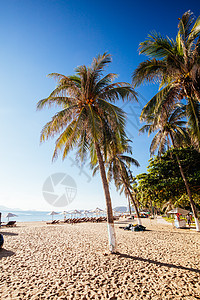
(121, 209)
(5, 208)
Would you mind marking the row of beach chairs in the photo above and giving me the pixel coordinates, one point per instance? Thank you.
(79, 220)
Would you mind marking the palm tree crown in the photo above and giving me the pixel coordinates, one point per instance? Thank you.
(87, 110)
(176, 66)
(169, 127)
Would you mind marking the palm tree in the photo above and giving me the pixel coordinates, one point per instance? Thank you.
(171, 130)
(88, 119)
(119, 170)
(175, 65)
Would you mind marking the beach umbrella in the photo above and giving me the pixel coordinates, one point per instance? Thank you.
(52, 213)
(64, 213)
(75, 212)
(97, 210)
(70, 213)
(86, 212)
(10, 215)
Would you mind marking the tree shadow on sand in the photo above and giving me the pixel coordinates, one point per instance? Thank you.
(177, 232)
(8, 233)
(158, 263)
(5, 253)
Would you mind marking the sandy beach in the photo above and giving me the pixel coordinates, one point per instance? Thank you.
(40, 261)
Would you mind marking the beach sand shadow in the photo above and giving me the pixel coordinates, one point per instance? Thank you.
(8, 233)
(175, 231)
(158, 263)
(5, 253)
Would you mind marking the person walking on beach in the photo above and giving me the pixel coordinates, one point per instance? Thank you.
(188, 219)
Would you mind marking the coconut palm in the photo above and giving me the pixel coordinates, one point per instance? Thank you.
(170, 131)
(175, 65)
(88, 119)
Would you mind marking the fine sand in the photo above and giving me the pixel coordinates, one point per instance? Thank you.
(40, 261)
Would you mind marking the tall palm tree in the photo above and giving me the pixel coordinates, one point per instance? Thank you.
(119, 170)
(88, 119)
(175, 65)
(170, 130)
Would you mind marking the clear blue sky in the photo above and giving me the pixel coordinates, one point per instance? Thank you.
(40, 37)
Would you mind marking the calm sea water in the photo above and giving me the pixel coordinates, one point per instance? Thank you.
(32, 216)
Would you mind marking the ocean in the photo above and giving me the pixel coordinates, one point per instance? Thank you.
(32, 216)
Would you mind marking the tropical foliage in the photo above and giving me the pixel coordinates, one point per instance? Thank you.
(169, 128)
(175, 65)
(163, 186)
(87, 113)
(170, 131)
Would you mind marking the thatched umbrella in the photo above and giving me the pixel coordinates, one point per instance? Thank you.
(64, 213)
(75, 212)
(52, 213)
(97, 211)
(10, 215)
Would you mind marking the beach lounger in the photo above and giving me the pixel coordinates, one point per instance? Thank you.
(10, 224)
(67, 221)
(53, 222)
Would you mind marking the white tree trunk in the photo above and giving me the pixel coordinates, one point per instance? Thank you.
(197, 224)
(110, 219)
(111, 238)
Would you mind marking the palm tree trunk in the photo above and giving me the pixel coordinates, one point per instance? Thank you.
(129, 207)
(189, 195)
(151, 209)
(110, 220)
(134, 204)
(188, 190)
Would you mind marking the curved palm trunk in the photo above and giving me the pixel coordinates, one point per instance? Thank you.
(189, 195)
(188, 190)
(135, 207)
(129, 207)
(110, 220)
(133, 201)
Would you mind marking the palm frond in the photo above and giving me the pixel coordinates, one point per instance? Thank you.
(152, 106)
(157, 46)
(101, 62)
(57, 124)
(193, 114)
(55, 101)
(117, 91)
(185, 24)
(148, 71)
